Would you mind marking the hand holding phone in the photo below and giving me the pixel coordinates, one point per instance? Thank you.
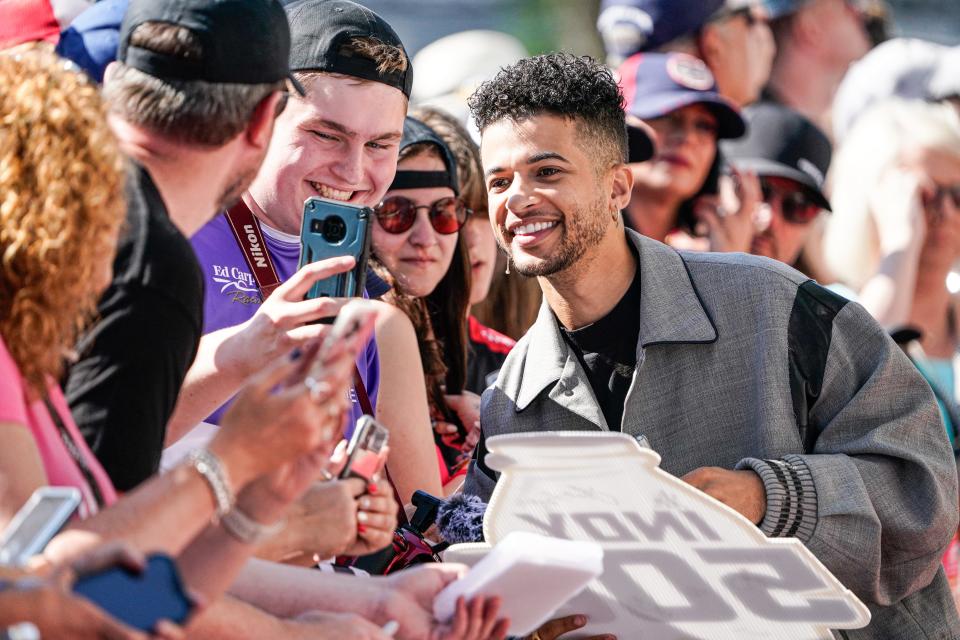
(141, 599)
(367, 451)
(37, 521)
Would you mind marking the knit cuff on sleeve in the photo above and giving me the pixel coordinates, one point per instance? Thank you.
(791, 496)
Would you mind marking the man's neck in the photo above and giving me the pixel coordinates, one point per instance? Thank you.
(189, 180)
(591, 288)
(790, 82)
(652, 213)
(264, 217)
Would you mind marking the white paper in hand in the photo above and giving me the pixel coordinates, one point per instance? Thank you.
(533, 575)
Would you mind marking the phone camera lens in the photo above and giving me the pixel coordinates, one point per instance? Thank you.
(334, 229)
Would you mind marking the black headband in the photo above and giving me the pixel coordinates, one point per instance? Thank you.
(424, 180)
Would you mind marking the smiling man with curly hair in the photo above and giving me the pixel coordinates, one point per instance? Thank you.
(756, 385)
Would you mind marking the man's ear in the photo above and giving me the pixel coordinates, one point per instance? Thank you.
(260, 127)
(110, 71)
(709, 43)
(621, 186)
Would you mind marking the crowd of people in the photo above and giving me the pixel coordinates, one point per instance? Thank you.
(736, 239)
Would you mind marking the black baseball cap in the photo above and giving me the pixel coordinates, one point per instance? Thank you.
(782, 143)
(416, 132)
(243, 41)
(321, 28)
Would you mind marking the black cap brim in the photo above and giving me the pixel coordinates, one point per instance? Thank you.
(764, 167)
(640, 147)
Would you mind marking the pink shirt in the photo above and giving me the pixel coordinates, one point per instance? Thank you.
(59, 466)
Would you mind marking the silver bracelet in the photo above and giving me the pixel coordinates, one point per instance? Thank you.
(211, 469)
(246, 529)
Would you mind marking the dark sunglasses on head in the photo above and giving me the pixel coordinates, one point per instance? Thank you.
(795, 204)
(397, 214)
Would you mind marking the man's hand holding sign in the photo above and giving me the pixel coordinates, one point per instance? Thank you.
(742, 491)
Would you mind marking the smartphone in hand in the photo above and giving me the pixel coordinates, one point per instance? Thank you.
(367, 451)
(139, 600)
(37, 521)
(332, 229)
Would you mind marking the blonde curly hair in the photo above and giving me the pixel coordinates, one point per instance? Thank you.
(61, 206)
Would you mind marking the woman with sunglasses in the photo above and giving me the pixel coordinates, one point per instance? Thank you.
(790, 156)
(417, 246)
(676, 95)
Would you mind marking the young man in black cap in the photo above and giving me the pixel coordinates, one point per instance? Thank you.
(339, 141)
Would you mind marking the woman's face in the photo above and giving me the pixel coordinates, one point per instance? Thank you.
(687, 145)
(419, 257)
(482, 247)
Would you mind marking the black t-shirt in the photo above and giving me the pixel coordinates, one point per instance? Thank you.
(133, 360)
(607, 349)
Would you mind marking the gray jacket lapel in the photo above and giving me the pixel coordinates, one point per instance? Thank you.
(670, 312)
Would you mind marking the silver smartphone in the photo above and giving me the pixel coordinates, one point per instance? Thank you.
(37, 521)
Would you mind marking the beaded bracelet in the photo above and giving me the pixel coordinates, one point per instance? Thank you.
(211, 469)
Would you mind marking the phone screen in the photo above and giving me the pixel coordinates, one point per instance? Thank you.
(40, 518)
(367, 451)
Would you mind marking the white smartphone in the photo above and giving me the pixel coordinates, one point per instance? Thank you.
(37, 521)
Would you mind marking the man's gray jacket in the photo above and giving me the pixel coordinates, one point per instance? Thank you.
(743, 362)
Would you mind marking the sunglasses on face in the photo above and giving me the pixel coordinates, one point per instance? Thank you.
(397, 214)
(795, 205)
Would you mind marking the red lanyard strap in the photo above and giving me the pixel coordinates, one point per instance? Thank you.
(249, 236)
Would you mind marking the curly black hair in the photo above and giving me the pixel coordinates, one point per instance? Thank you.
(560, 84)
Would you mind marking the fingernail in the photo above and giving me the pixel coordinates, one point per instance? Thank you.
(296, 354)
(372, 487)
(365, 503)
(362, 516)
(580, 620)
(361, 528)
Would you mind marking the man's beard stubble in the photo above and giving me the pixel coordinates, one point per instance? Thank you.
(235, 188)
(582, 229)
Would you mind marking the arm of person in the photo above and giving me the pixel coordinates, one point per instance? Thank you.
(132, 364)
(21, 470)
(402, 406)
(405, 597)
(901, 227)
(226, 358)
(875, 497)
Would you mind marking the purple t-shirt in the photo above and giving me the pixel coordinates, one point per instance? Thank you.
(231, 294)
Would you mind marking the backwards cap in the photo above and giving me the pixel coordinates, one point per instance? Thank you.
(416, 132)
(243, 41)
(322, 28)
